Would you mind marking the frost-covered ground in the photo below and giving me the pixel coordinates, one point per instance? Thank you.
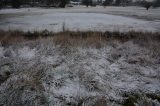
(84, 70)
(81, 18)
(42, 73)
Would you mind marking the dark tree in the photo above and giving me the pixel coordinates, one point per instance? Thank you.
(117, 2)
(63, 3)
(156, 3)
(147, 5)
(1, 4)
(87, 2)
(107, 3)
(49, 3)
(16, 3)
(123, 2)
(56, 3)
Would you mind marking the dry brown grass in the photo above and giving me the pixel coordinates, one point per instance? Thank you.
(88, 38)
(80, 39)
(11, 37)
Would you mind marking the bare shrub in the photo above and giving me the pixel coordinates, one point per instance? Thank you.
(22, 90)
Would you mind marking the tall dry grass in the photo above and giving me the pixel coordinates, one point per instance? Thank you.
(88, 38)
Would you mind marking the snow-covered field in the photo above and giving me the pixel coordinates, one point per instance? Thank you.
(80, 18)
(43, 72)
(74, 69)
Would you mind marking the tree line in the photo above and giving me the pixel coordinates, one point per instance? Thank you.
(62, 3)
(46, 3)
(143, 3)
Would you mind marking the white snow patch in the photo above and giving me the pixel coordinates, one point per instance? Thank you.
(21, 10)
(1, 51)
(73, 90)
(53, 60)
(27, 53)
(77, 21)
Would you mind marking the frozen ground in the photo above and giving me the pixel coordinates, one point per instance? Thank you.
(43, 73)
(81, 18)
(114, 73)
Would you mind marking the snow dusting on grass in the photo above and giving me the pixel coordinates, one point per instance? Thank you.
(27, 53)
(1, 51)
(48, 74)
(93, 68)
